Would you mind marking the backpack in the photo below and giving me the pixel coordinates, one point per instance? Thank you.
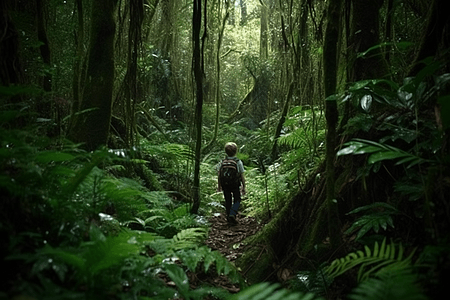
(228, 174)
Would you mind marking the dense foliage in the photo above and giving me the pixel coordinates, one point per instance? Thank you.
(106, 210)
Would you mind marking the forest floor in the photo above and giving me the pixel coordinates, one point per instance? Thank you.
(228, 239)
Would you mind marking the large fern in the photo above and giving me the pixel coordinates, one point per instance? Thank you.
(398, 284)
(98, 254)
(372, 262)
(379, 217)
(268, 291)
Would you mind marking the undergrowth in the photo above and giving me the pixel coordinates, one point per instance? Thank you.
(73, 227)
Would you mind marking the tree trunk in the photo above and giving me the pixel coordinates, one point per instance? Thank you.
(92, 120)
(330, 65)
(10, 66)
(436, 37)
(218, 96)
(263, 43)
(79, 41)
(364, 33)
(274, 153)
(134, 42)
(243, 4)
(44, 47)
(198, 76)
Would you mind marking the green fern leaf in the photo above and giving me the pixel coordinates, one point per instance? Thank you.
(190, 258)
(383, 257)
(373, 221)
(178, 276)
(267, 291)
(396, 284)
(209, 259)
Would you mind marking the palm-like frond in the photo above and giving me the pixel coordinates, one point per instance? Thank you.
(399, 284)
(185, 239)
(380, 151)
(380, 217)
(100, 253)
(268, 291)
(382, 258)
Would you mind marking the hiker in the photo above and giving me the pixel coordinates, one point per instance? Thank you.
(231, 181)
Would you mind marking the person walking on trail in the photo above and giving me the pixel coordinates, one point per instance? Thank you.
(231, 181)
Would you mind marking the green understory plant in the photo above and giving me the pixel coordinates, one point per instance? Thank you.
(382, 258)
(379, 216)
(270, 291)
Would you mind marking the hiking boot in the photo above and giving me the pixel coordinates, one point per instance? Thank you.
(232, 219)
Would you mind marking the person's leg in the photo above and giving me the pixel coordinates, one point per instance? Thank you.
(236, 200)
(227, 196)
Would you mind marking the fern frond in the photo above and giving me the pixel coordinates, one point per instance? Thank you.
(373, 221)
(189, 237)
(185, 239)
(101, 252)
(268, 291)
(294, 139)
(396, 284)
(384, 257)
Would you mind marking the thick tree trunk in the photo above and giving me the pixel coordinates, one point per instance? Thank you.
(134, 42)
(44, 47)
(263, 42)
(330, 65)
(243, 4)
(79, 41)
(92, 121)
(10, 66)
(43, 104)
(436, 38)
(218, 89)
(198, 76)
(364, 33)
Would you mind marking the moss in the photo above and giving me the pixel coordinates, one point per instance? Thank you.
(256, 264)
(314, 236)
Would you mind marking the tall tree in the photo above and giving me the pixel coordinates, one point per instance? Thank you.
(436, 38)
(364, 34)
(77, 68)
(330, 65)
(197, 64)
(43, 105)
(10, 66)
(92, 120)
(243, 4)
(218, 85)
(263, 42)
(134, 40)
(44, 42)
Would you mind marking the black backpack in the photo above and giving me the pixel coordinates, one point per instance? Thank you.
(228, 174)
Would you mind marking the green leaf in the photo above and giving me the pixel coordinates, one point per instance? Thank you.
(444, 102)
(379, 156)
(178, 276)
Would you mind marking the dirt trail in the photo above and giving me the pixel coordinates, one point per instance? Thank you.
(227, 238)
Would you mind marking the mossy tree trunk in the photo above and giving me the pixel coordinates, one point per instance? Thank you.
(92, 120)
(364, 34)
(436, 38)
(44, 47)
(134, 43)
(10, 63)
(77, 68)
(197, 63)
(330, 65)
(218, 85)
(264, 30)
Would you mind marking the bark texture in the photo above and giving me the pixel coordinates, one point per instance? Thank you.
(92, 121)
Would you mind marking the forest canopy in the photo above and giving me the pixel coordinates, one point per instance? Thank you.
(113, 119)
